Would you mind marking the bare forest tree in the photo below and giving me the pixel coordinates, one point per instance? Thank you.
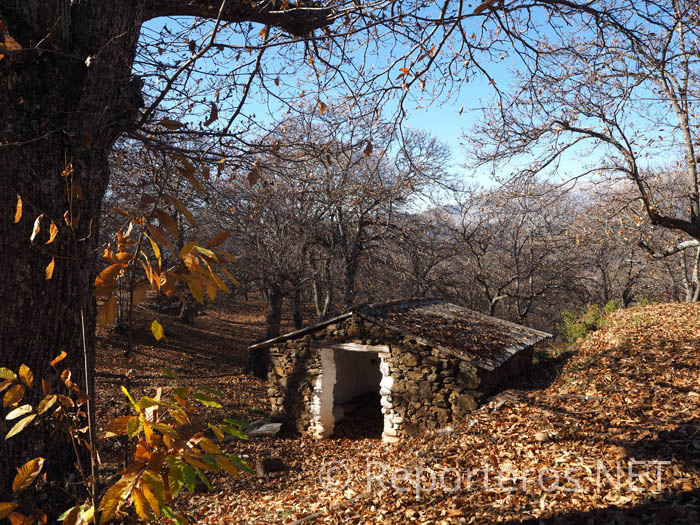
(606, 95)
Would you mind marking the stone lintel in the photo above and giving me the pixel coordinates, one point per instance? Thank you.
(350, 347)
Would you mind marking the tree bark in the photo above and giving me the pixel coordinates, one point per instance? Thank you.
(59, 111)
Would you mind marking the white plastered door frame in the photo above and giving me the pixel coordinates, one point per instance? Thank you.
(322, 406)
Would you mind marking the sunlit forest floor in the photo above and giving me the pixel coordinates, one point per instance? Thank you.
(607, 434)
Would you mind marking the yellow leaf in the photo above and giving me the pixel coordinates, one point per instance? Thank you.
(209, 446)
(16, 518)
(150, 496)
(254, 174)
(9, 43)
(140, 290)
(157, 330)
(6, 373)
(65, 377)
(36, 228)
(219, 283)
(53, 231)
(103, 290)
(218, 432)
(231, 277)
(113, 499)
(109, 275)
(147, 430)
(46, 403)
(45, 388)
(140, 504)
(19, 411)
(263, 33)
(322, 107)
(196, 290)
(49, 269)
(213, 115)
(87, 515)
(226, 464)
(182, 209)
(107, 312)
(159, 235)
(65, 401)
(60, 357)
(26, 474)
(19, 426)
(13, 395)
(154, 246)
(195, 459)
(18, 209)
(368, 149)
(211, 289)
(170, 124)
(124, 257)
(25, 373)
(118, 425)
(187, 248)
(72, 516)
(167, 222)
(218, 239)
(205, 251)
(7, 507)
(187, 170)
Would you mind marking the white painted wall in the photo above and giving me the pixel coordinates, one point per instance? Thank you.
(356, 373)
(344, 375)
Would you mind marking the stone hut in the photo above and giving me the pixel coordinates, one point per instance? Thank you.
(430, 361)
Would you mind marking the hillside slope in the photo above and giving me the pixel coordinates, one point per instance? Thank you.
(627, 401)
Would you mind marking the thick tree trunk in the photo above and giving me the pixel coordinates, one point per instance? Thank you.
(349, 282)
(259, 360)
(273, 318)
(297, 313)
(64, 99)
(58, 110)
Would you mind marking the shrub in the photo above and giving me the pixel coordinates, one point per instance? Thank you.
(578, 324)
(171, 448)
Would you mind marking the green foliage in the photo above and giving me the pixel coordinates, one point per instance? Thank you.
(578, 324)
(644, 301)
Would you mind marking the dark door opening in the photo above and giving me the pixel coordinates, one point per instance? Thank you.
(357, 408)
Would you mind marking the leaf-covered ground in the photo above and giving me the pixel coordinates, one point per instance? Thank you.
(611, 435)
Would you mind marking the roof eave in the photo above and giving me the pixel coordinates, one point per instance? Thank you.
(300, 332)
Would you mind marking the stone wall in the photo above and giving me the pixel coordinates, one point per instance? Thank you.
(422, 388)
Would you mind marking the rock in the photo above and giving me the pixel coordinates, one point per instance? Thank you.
(263, 429)
(354, 331)
(542, 436)
(410, 359)
(390, 439)
(389, 431)
(264, 466)
(446, 430)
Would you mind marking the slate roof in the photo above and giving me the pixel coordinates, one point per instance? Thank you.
(481, 339)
